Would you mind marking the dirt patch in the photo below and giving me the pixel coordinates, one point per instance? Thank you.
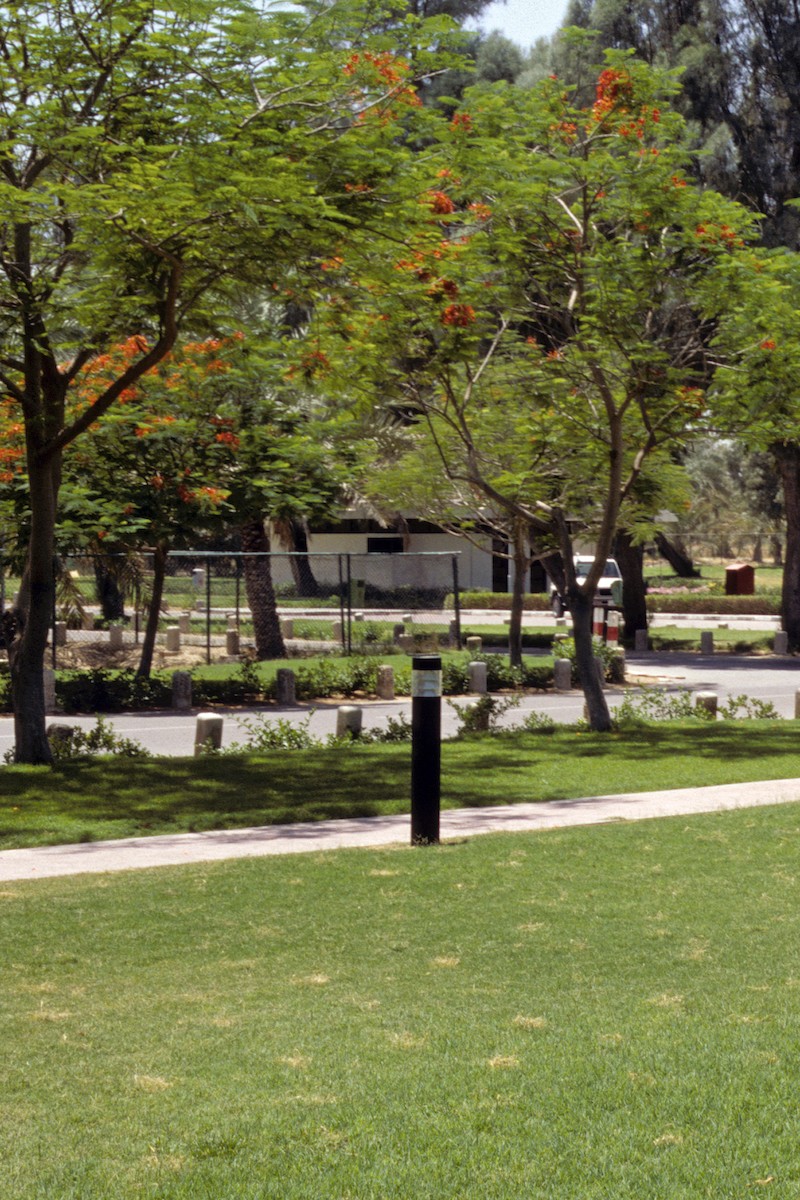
(89, 655)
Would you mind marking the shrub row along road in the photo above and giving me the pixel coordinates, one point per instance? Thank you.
(774, 679)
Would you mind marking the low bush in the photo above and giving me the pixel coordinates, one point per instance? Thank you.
(716, 602)
(499, 601)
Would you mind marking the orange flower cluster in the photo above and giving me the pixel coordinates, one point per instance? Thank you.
(481, 212)
(458, 315)
(387, 66)
(718, 235)
(440, 203)
(461, 122)
(767, 344)
(613, 88)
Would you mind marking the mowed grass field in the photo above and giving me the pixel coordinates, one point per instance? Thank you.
(591, 1013)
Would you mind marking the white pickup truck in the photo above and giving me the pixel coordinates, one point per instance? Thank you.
(609, 587)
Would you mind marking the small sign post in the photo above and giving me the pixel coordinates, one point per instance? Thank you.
(426, 752)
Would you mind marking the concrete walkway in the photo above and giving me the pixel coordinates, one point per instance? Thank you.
(133, 853)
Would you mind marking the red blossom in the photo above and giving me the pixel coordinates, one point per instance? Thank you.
(440, 203)
(767, 344)
(458, 315)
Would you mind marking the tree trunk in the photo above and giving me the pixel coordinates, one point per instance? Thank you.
(521, 563)
(758, 551)
(30, 622)
(776, 546)
(634, 604)
(153, 612)
(299, 562)
(260, 590)
(787, 456)
(580, 607)
(109, 595)
(680, 562)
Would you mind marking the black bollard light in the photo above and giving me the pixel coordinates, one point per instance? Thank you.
(426, 752)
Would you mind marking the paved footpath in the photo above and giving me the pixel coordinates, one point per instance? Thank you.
(176, 849)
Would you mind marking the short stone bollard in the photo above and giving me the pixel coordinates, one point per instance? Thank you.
(60, 632)
(181, 690)
(338, 631)
(641, 641)
(479, 716)
(398, 632)
(348, 721)
(781, 642)
(232, 623)
(287, 627)
(407, 619)
(49, 682)
(115, 637)
(562, 674)
(384, 687)
(231, 642)
(708, 701)
(706, 641)
(358, 616)
(285, 686)
(453, 634)
(184, 623)
(208, 733)
(58, 733)
(474, 644)
(477, 678)
(173, 639)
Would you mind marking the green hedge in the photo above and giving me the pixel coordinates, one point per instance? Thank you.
(688, 602)
(534, 602)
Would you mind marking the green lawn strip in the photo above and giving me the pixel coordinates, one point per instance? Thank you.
(596, 1013)
(117, 797)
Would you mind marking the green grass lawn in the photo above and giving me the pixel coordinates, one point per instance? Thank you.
(588, 1014)
(118, 797)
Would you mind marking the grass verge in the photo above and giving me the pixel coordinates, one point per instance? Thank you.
(117, 797)
(581, 1013)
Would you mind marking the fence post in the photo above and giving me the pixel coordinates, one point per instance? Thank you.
(456, 602)
(208, 610)
(349, 626)
(341, 603)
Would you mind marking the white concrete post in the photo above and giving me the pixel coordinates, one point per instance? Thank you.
(287, 627)
(477, 678)
(181, 690)
(474, 644)
(173, 639)
(384, 688)
(781, 642)
(115, 637)
(708, 701)
(231, 642)
(562, 674)
(208, 732)
(706, 641)
(285, 686)
(348, 720)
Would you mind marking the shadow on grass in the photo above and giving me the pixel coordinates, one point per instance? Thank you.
(121, 798)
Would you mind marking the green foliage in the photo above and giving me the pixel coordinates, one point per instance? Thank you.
(656, 704)
(482, 715)
(102, 691)
(81, 743)
(613, 661)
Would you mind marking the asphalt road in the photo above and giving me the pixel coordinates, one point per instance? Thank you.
(774, 679)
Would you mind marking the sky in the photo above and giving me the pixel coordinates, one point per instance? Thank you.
(524, 20)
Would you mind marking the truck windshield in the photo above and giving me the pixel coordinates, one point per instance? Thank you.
(610, 571)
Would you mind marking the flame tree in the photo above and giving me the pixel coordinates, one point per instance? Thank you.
(155, 158)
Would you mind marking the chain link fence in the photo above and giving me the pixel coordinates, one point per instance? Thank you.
(268, 604)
